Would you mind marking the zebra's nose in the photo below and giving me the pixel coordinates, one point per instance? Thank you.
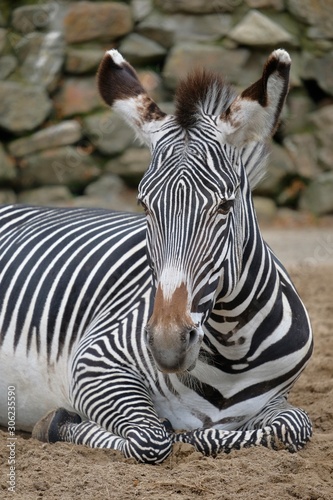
(190, 337)
(174, 349)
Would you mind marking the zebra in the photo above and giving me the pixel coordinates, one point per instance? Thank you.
(133, 331)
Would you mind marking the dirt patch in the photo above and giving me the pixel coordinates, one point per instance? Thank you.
(65, 471)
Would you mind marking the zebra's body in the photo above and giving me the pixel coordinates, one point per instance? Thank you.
(68, 251)
(49, 258)
(211, 342)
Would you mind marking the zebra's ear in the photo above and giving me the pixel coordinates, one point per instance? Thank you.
(254, 114)
(120, 88)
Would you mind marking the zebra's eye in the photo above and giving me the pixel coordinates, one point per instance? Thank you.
(225, 206)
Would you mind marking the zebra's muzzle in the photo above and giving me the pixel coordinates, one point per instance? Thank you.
(174, 350)
(173, 336)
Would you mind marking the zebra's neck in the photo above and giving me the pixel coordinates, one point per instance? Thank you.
(233, 319)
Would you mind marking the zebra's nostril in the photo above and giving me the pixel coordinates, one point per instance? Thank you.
(193, 337)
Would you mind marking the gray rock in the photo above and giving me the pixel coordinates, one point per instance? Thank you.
(108, 132)
(77, 96)
(15, 41)
(131, 165)
(256, 29)
(109, 192)
(266, 4)
(302, 149)
(79, 61)
(296, 68)
(299, 108)
(30, 18)
(7, 66)
(67, 132)
(141, 9)
(322, 119)
(22, 107)
(279, 165)
(46, 196)
(158, 27)
(138, 49)
(3, 39)
(2, 19)
(315, 33)
(319, 69)
(125, 202)
(7, 197)
(183, 58)
(106, 21)
(251, 70)
(314, 12)
(66, 165)
(43, 65)
(27, 44)
(318, 197)
(302, 9)
(105, 186)
(168, 30)
(325, 157)
(7, 166)
(197, 6)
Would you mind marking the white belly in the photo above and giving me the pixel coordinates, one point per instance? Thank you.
(38, 387)
(187, 410)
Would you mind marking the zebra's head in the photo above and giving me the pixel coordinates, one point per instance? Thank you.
(196, 192)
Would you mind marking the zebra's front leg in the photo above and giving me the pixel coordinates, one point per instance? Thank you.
(290, 427)
(279, 425)
(145, 442)
(120, 416)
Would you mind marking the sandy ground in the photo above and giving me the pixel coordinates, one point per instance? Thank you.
(64, 471)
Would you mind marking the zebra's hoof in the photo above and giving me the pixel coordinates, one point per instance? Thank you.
(47, 429)
(167, 425)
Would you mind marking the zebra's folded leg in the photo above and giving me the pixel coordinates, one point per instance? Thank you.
(290, 429)
(214, 441)
(146, 443)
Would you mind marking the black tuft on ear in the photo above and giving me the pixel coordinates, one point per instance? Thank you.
(117, 81)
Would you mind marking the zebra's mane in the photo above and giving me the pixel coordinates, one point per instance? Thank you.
(206, 93)
(201, 93)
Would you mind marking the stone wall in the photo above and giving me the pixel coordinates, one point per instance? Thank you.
(61, 145)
